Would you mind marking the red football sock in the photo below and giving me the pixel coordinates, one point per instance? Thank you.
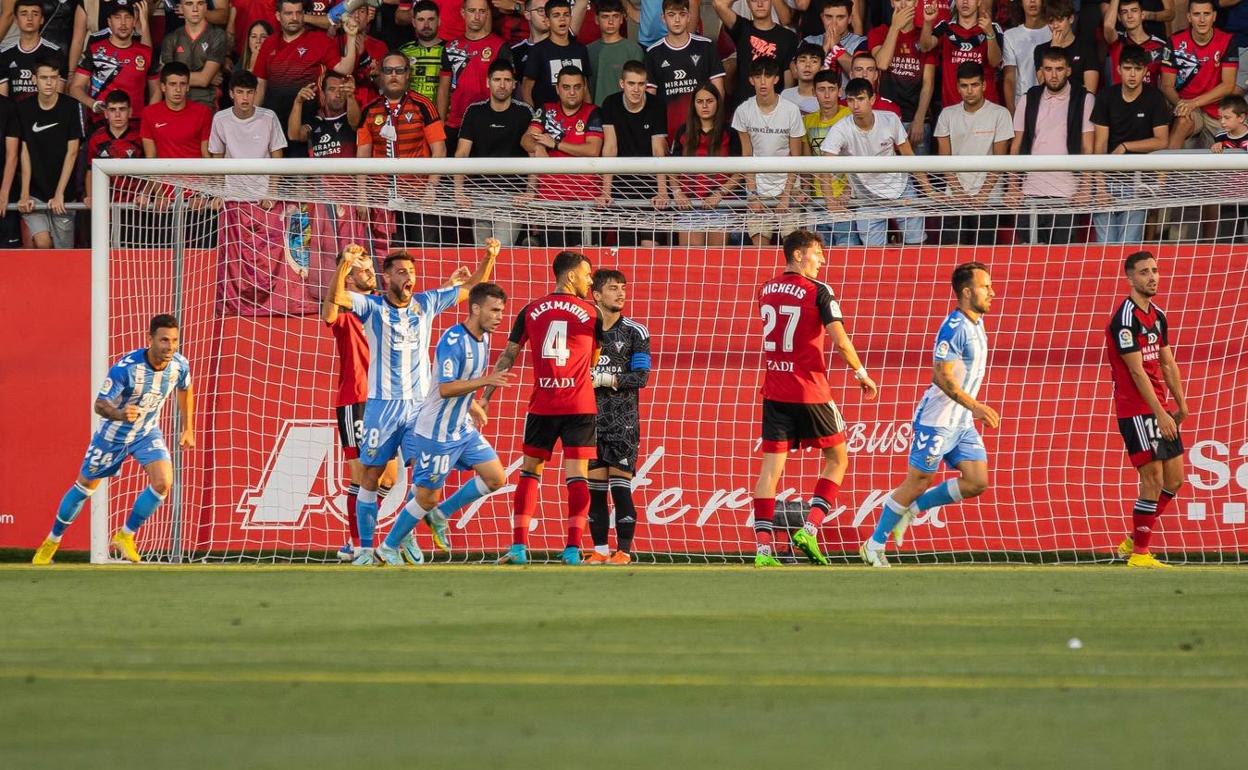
(578, 509)
(525, 503)
(1163, 502)
(1143, 516)
(823, 499)
(764, 517)
(353, 526)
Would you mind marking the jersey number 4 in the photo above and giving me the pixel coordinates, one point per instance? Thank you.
(555, 345)
(791, 316)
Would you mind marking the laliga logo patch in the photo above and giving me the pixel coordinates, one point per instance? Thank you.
(942, 349)
(1124, 338)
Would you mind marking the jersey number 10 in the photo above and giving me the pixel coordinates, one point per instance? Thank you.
(791, 314)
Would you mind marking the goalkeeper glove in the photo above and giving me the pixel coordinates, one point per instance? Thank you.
(605, 380)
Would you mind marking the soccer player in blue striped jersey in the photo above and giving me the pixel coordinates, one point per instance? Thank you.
(130, 401)
(398, 326)
(944, 423)
(447, 437)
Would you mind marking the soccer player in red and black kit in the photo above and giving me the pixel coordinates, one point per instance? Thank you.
(352, 394)
(563, 329)
(1142, 368)
(798, 410)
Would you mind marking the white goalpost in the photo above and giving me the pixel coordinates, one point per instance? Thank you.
(241, 251)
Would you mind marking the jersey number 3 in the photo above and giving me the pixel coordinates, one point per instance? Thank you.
(791, 314)
(555, 345)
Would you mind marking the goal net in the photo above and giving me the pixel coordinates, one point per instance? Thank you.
(241, 253)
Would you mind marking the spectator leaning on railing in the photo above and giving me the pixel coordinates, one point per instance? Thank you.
(51, 135)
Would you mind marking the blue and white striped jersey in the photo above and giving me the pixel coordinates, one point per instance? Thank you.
(460, 356)
(133, 382)
(398, 341)
(965, 343)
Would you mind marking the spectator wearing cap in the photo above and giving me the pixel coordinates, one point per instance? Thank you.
(116, 62)
(201, 46)
(18, 58)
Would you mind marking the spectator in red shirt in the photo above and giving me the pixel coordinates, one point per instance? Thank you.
(970, 35)
(864, 67)
(1199, 71)
(907, 76)
(465, 62)
(176, 127)
(116, 62)
(369, 51)
(1130, 14)
(115, 138)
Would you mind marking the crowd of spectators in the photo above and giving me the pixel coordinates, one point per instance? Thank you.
(85, 79)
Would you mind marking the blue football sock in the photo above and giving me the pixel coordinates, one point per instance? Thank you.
(942, 494)
(464, 496)
(366, 516)
(889, 516)
(144, 506)
(70, 507)
(404, 524)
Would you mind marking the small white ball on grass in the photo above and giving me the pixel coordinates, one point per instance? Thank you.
(1075, 644)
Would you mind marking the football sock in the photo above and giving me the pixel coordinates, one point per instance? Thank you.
(1143, 515)
(384, 490)
(942, 494)
(599, 514)
(889, 516)
(464, 496)
(578, 509)
(1164, 501)
(144, 506)
(524, 505)
(820, 503)
(625, 513)
(764, 517)
(68, 510)
(366, 515)
(408, 516)
(353, 526)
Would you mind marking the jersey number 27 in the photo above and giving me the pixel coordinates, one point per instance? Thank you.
(791, 315)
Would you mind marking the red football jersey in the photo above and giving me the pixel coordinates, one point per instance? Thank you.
(352, 358)
(564, 331)
(795, 309)
(1197, 68)
(1132, 330)
(1155, 47)
(960, 44)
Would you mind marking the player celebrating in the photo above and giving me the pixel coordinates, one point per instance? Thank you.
(1142, 368)
(353, 385)
(623, 369)
(563, 330)
(798, 410)
(446, 436)
(130, 401)
(397, 326)
(944, 425)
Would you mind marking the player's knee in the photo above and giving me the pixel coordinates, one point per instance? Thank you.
(974, 487)
(493, 481)
(160, 485)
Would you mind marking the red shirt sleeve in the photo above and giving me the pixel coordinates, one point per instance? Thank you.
(261, 65)
(145, 123)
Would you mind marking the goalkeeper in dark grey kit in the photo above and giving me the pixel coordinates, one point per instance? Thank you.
(623, 369)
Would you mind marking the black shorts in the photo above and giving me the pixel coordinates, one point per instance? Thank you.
(576, 431)
(788, 425)
(350, 420)
(1145, 443)
(621, 455)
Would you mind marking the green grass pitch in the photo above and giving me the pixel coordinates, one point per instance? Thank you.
(939, 667)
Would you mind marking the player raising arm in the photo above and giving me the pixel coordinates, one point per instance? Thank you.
(797, 310)
(623, 369)
(446, 436)
(130, 401)
(944, 427)
(563, 330)
(1142, 368)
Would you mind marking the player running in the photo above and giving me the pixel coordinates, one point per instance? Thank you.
(130, 401)
(563, 330)
(446, 435)
(1142, 368)
(623, 369)
(944, 427)
(397, 325)
(798, 410)
(353, 386)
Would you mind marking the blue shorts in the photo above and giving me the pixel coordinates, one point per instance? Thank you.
(432, 461)
(387, 423)
(953, 445)
(104, 458)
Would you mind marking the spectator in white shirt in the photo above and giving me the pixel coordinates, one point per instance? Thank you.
(769, 127)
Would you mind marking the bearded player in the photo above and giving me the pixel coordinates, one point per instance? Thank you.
(563, 330)
(797, 310)
(1142, 368)
(130, 401)
(623, 369)
(944, 422)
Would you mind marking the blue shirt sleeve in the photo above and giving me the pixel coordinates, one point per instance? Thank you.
(437, 300)
(362, 305)
(184, 376)
(450, 357)
(116, 385)
(950, 341)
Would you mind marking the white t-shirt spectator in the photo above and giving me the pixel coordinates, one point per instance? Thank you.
(769, 136)
(807, 104)
(881, 141)
(1018, 51)
(974, 133)
(254, 137)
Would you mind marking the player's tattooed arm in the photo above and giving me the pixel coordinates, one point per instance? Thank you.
(942, 377)
(505, 362)
(110, 411)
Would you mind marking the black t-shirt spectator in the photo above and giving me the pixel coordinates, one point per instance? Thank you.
(1130, 121)
(634, 134)
(780, 43)
(58, 22)
(46, 135)
(1083, 58)
(495, 134)
(546, 58)
(17, 67)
